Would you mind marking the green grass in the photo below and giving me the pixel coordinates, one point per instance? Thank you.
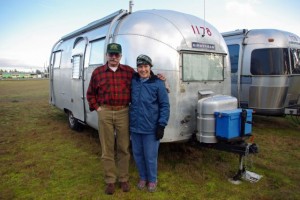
(41, 158)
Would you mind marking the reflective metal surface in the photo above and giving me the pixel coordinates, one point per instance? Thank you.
(164, 36)
(266, 94)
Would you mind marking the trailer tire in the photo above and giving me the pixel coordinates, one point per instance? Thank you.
(74, 123)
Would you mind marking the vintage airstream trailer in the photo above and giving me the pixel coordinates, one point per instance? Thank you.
(190, 52)
(265, 70)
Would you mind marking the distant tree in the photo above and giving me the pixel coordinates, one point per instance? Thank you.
(38, 72)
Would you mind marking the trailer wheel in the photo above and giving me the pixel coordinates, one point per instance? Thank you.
(74, 123)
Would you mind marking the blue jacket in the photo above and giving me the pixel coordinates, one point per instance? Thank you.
(149, 106)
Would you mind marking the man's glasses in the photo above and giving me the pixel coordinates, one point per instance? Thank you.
(117, 55)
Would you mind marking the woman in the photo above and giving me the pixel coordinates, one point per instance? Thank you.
(149, 114)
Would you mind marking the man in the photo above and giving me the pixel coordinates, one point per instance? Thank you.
(109, 95)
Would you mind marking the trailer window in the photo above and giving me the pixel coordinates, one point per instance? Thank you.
(56, 59)
(234, 57)
(295, 59)
(202, 67)
(76, 67)
(268, 61)
(97, 52)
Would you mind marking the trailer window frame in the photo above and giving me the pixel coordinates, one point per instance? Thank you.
(76, 66)
(234, 52)
(270, 61)
(295, 60)
(96, 53)
(56, 60)
(192, 73)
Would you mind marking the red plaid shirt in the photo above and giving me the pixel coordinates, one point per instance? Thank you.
(109, 87)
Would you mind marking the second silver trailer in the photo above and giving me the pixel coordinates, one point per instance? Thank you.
(265, 70)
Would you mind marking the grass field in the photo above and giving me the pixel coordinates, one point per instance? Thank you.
(41, 158)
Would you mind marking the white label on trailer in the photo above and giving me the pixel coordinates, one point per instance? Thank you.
(198, 45)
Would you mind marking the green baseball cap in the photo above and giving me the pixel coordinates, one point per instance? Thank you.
(114, 48)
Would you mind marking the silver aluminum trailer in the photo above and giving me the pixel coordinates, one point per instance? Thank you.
(190, 52)
(265, 70)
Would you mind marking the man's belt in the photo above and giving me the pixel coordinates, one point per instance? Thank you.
(115, 108)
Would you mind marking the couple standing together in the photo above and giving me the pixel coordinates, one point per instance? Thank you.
(128, 101)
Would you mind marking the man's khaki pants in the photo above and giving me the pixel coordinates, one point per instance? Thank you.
(114, 129)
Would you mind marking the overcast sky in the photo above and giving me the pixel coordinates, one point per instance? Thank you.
(29, 28)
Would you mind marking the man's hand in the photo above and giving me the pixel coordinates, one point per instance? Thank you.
(163, 78)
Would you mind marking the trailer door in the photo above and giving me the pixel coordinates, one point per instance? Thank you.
(78, 95)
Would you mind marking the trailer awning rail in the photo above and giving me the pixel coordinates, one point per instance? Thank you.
(93, 25)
